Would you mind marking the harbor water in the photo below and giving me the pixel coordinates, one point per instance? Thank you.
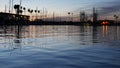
(61, 46)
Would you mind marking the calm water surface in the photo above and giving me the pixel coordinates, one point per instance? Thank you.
(60, 47)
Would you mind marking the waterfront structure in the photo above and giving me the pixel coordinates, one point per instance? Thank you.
(9, 18)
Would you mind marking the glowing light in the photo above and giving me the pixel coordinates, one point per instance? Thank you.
(105, 23)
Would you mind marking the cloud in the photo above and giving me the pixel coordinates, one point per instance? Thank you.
(108, 10)
(103, 7)
(112, 7)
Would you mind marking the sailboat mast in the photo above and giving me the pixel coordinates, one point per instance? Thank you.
(9, 5)
(20, 2)
(12, 5)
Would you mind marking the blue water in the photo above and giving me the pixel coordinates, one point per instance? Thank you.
(60, 47)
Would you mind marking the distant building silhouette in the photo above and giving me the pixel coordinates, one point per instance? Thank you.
(82, 16)
(95, 15)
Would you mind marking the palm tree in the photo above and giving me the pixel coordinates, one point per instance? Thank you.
(35, 11)
(116, 17)
(21, 11)
(21, 7)
(16, 7)
(69, 15)
(29, 10)
(39, 13)
(24, 10)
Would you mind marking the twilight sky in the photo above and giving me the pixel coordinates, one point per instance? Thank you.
(105, 7)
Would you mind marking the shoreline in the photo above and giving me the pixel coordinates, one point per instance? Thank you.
(27, 23)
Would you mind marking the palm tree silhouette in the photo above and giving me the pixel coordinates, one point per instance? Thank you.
(21, 7)
(69, 15)
(116, 17)
(36, 13)
(21, 11)
(17, 8)
(29, 10)
(24, 10)
(39, 13)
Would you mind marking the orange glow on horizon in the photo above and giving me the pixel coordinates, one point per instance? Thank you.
(105, 23)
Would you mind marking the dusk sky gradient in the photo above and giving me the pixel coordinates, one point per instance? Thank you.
(105, 7)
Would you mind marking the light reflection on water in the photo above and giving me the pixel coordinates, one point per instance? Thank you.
(60, 47)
